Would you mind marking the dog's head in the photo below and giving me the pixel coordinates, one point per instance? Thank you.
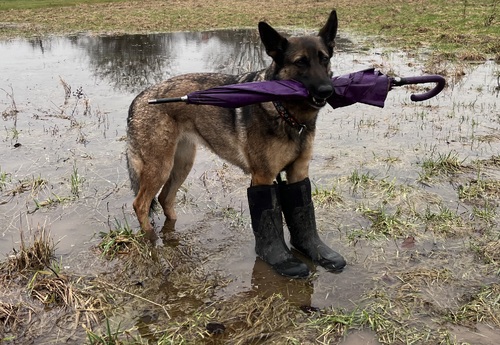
(304, 58)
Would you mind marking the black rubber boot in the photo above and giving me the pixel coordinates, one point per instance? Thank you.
(298, 209)
(267, 224)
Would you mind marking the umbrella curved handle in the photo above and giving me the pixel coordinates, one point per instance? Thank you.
(439, 80)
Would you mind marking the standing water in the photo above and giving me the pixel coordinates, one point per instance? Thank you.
(64, 103)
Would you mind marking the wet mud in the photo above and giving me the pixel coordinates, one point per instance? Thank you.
(64, 103)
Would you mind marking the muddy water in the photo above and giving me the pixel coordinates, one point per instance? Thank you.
(54, 132)
(58, 132)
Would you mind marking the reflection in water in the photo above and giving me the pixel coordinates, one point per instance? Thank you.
(134, 62)
(127, 62)
(130, 63)
(266, 283)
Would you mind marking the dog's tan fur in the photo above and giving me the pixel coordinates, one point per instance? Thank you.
(162, 138)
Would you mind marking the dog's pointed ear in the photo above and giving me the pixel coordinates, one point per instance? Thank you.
(274, 43)
(329, 31)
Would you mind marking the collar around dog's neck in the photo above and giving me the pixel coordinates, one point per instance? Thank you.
(288, 118)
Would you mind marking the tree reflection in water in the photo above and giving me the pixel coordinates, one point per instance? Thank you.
(133, 62)
(130, 63)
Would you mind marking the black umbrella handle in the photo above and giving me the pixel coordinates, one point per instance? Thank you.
(440, 84)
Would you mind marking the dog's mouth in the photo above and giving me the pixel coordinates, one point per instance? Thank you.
(317, 102)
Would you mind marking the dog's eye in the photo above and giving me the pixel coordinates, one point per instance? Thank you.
(324, 60)
(302, 62)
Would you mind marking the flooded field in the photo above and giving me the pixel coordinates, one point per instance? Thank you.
(409, 194)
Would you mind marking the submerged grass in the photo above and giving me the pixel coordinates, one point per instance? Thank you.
(33, 184)
(76, 181)
(480, 307)
(121, 240)
(79, 295)
(489, 251)
(387, 223)
(444, 221)
(392, 316)
(479, 189)
(326, 198)
(443, 164)
(110, 337)
(415, 304)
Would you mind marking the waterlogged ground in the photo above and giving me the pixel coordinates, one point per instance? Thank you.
(409, 194)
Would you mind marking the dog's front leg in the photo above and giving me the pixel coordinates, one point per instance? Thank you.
(298, 208)
(299, 170)
(267, 224)
(299, 214)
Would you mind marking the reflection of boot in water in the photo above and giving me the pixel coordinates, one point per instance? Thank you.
(265, 282)
(267, 224)
(298, 209)
(168, 235)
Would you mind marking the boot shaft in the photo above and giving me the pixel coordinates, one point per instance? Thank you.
(294, 195)
(298, 210)
(267, 224)
(263, 200)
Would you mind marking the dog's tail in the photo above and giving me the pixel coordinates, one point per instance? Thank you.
(134, 180)
(132, 173)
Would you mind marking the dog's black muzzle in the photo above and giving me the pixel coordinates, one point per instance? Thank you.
(318, 97)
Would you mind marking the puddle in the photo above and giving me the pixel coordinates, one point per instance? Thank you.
(57, 134)
(360, 338)
(483, 335)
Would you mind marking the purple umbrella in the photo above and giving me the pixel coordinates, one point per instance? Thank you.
(240, 95)
(367, 86)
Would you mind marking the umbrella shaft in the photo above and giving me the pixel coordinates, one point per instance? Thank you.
(168, 100)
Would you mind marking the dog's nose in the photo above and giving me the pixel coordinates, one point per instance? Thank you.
(325, 91)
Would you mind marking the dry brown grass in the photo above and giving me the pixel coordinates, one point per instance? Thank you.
(34, 253)
(260, 319)
(12, 317)
(489, 251)
(36, 293)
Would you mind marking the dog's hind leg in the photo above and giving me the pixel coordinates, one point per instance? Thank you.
(151, 175)
(183, 162)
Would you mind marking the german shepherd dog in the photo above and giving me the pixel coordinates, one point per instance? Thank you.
(263, 139)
